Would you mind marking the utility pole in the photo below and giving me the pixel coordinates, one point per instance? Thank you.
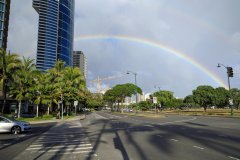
(229, 74)
(135, 77)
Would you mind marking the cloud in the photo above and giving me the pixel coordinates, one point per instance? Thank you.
(23, 28)
(207, 31)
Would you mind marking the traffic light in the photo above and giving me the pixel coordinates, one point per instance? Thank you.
(230, 71)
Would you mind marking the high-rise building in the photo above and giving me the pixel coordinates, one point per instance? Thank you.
(80, 61)
(4, 20)
(55, 32)
(65, 31)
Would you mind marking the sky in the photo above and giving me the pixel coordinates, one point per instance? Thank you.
(171, 45)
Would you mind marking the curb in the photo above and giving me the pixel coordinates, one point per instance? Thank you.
(81, 117)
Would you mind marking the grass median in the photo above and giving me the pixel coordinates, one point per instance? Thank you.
(209, 112)
(42, 118)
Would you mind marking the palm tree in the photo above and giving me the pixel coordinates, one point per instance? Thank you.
(23, 81)
(55, 78)
(36, 89)
(75, 83)
(9, 63)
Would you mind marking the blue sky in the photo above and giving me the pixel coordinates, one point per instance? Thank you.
(207, 31)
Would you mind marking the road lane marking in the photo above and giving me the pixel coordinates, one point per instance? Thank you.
(159, 135)
(111, 115)
(198, 147)
(233, 158)
(221, 135)
(99, 116)
(60, 146)
(164, 123)
(71, 152)
(175, 140)
(63, 141)
(148, 125)
(185, 120)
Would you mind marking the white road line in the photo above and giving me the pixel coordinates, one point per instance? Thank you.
(185, 120)
(63, 134)
(198, 147)
(175, 140)
(62, 149)
(159, 135)
(148, 125)
(70, 143)
(221, 135)
(99, 116)
(164, 123)
(71, 152)
(62, 146)
(233, 158)
(63, 141)
(60, 138)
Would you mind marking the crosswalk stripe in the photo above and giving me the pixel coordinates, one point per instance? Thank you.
(63, 141)
(60, 149)
(61, 146)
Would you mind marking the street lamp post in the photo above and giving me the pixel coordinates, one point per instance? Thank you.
(229, 74)
(135, 76)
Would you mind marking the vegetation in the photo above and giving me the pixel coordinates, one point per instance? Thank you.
(58, 86)
(119, 92)
(167, 100)
(9, 63)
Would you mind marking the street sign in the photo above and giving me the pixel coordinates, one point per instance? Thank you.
(231, 102)
(155, 100)
(75, 103)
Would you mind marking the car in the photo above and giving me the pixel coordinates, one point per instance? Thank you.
(12, 125)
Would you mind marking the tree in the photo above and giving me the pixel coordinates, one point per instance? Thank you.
(94, 101)
(165, 98)
(145, 105)
(22, 82)
(204, 96)
(119, 92)
(221, 97)
(235, 94)
(9, 63)
(56, 79)
(189, 101)
(74, 84)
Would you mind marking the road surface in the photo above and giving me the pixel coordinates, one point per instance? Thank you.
(108, 136)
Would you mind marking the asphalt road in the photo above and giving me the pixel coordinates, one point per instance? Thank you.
(116, 136)
(108, 136)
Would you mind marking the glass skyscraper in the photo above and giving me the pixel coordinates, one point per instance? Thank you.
(4, 20)
(65, 31)
(55, 32)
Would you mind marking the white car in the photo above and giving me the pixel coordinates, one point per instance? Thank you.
(13, 126)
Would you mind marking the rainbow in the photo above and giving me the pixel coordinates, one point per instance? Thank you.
(159, 46)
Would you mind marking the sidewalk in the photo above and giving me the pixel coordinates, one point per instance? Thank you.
(80, 117)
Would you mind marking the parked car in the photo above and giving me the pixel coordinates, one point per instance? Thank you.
(13, 126)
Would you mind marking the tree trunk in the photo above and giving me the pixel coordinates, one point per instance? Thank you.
(4, 95)
(19, 108)
(205, 109)
(58, 115)
(48, 110)
(122, 107)
(37, 111)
